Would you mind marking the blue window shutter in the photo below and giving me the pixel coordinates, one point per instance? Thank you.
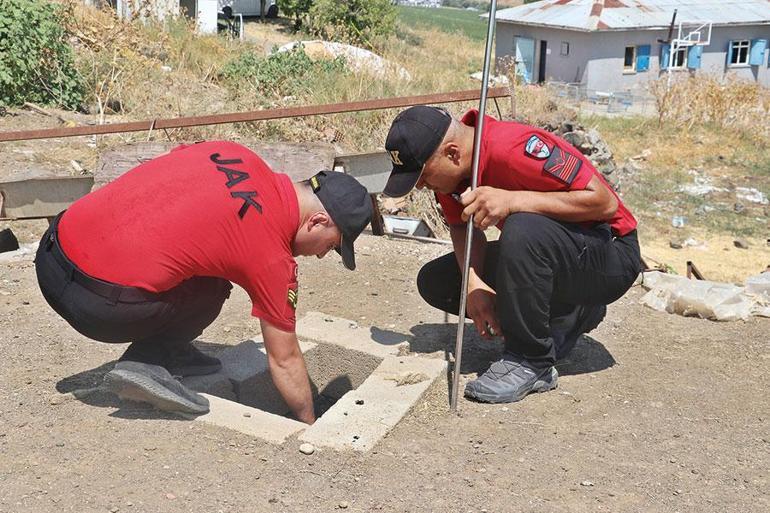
(757, 55)
(642, 58)
(665, 51)
(694, 56)
(729, 52)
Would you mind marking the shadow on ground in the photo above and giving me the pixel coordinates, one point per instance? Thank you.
(86, 387)
(589, 354)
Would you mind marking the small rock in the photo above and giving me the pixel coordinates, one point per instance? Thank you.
(272, 500)
(739, 208)
(246, 414)
(344, 505)
(741, 243)
(170, 496)
(359, 401)
(226, 329)
(586, 483)
(56, 400)
(675, 244)
(307, 448)
(114, 509)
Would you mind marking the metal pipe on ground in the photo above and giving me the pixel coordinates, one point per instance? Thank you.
(474, 181)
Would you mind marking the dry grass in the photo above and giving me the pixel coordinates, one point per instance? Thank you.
(728, 103)
(154, 71)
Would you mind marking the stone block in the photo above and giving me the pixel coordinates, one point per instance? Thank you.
(362, 417)
(348, 334)
(251, 421)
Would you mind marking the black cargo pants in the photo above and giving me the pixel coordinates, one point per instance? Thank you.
(541, 269)
(113, 313)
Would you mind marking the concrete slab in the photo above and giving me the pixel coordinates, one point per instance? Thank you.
(251, 421)
(359, 366)
(362, 417)
(240, 365)
(345, 333)
(215, 384)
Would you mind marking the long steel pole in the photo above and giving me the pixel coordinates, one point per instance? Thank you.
(474, 181)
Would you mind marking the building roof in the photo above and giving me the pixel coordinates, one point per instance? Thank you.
(598, 15)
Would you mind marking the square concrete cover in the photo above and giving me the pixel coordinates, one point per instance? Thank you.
(358, 420)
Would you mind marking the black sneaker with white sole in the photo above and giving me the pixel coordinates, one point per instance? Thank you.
(153, 384)
(511, 379)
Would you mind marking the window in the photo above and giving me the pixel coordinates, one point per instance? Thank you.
(680, 58)
(564, 48)
(739, 52)
(629, 61)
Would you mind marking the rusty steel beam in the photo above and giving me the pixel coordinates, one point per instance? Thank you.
(257, 115)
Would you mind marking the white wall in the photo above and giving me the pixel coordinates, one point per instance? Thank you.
(596, 58)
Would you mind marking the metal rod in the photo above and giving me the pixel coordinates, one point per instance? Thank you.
(257, 115)
(474, 180)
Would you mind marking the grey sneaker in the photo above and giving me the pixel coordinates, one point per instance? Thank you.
(510, 379)
(153, 384)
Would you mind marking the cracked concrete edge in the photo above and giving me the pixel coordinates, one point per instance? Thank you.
(346, 333)
(251, 421)
(362, 417)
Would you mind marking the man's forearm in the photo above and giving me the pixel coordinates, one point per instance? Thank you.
(594, 203)
(287, 368)
(291, 380)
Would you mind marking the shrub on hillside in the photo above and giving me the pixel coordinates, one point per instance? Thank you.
(282, 73)
(36, 62)
(296, 9)
(358, 22)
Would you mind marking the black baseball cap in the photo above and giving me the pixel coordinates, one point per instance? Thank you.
(413, 138)
(349, 206)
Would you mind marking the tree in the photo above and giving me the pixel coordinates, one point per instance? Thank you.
(297, 9)
(354, 21)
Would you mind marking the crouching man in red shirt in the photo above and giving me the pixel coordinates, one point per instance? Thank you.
(568, 245)
(149, 259)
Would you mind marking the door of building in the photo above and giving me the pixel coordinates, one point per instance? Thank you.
(525, 57)
(541, 66)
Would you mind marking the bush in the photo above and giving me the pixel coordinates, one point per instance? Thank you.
(282, 73)
(358, 22)
(297, 9)
(36, 63)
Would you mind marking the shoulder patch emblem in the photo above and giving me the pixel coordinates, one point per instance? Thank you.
(562, 165)
(537, 148)
(292, 298)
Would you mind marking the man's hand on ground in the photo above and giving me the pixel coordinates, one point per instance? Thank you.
(481, 307)
(488, 206)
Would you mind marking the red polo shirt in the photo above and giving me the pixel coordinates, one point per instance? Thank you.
(209, 209)
(519, 157)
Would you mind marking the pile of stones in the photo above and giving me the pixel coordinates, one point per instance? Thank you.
(591, 144)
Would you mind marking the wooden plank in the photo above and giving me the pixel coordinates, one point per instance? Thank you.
(41, 197)
(371, 169)
(298, 160)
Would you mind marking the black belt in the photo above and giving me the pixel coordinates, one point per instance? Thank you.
(110, 291)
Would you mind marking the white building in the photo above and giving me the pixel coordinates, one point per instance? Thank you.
(618, 45)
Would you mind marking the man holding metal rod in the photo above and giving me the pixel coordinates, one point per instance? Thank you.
(568, 245)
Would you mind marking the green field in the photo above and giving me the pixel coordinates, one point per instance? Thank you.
(446, 19)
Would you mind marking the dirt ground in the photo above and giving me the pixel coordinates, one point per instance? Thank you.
(653, 413)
